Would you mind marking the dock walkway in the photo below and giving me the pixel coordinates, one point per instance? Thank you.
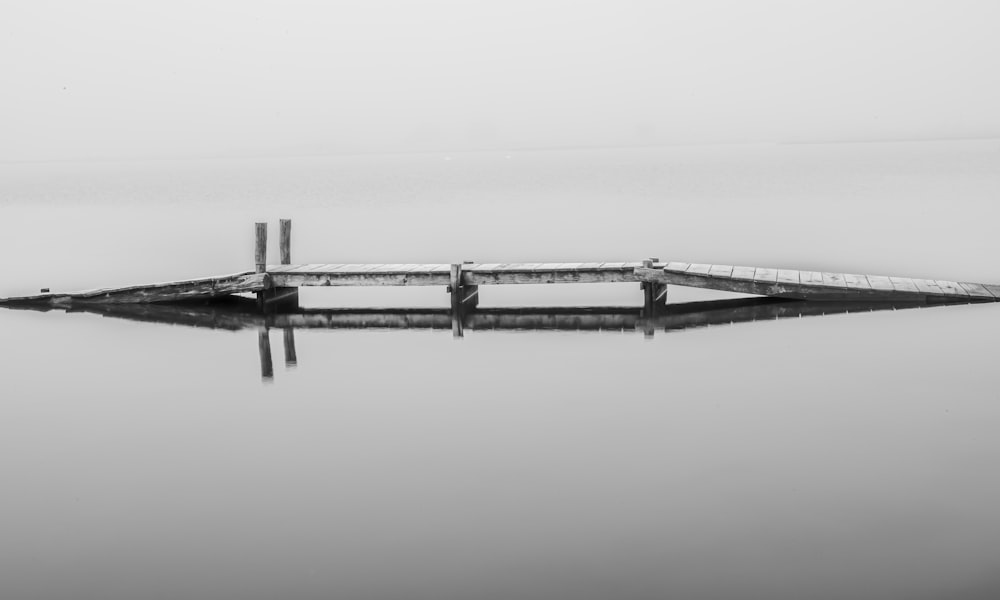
(276, 285)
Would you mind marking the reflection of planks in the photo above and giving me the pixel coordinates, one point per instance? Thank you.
(240, 314)
(439, 274)
(811, 285)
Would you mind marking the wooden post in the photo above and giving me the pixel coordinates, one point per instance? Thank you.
(260, 254)
(455, 287)
(291, 359)
(285, 241)
(284, 299)
(654, 294)
(470, 293)
(264, 348)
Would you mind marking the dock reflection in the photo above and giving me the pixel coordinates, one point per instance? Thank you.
(241, 313)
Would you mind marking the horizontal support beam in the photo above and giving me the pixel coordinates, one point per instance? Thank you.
(286, 279)
(469, 278)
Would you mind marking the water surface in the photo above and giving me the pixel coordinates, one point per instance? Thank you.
(847, 455)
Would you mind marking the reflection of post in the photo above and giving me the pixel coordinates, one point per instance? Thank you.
(455, 287)
(290, 359)
(264, 347)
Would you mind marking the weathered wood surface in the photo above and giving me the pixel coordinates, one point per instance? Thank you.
(173, 291)
(260, 247)
(439, 274)
(279, 281)
(810, 285)
(241, 314)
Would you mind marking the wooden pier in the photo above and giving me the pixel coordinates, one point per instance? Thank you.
(276, 285)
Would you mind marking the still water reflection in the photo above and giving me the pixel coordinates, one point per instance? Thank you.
(848, 456)
(237, 313)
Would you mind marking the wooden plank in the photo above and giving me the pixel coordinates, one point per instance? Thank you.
(743, 273)
(927, 286)
(856, 282)
(765, 275)
(721, 271)
(788, 276)
(698, 269)
(338, 268)
(389, 268)
(810, 278)
(880, 283)
(483, 267)
(952, 288)
(993, 289)
(312, 267)
(545, 267)
(340, 279)
(614, 265)
(550, 276)
(977, 290)
(677, 267)
(834, 280)
(904, 284)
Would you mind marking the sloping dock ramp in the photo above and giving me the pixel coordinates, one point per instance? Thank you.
(815, 285)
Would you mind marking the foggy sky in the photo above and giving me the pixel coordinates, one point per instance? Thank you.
(120, 79)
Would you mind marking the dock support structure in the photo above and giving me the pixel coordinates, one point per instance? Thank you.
(276, 299)
(463, 297)
(654, 294)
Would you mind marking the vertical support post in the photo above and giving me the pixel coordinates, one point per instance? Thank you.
(260, 264)
(284, 298)
(654, 294)
(285, 240)
(291, 359)
(264, 348)
(260, 250)
(455, 288)
(470, 293)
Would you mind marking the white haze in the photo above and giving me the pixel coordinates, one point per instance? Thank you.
(120, 79)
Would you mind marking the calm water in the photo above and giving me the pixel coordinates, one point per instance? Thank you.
(849, 455)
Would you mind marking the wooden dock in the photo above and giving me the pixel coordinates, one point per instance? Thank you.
(276, 285)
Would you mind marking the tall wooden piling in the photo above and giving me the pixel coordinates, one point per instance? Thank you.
(285, 241)
(284, 298)
(260, 248)
(455, 288)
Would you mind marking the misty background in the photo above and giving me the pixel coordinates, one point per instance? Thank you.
(118, 79)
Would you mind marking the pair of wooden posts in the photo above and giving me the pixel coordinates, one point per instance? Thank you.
(274, 298)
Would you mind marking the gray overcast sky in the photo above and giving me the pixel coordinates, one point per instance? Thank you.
(126, 79)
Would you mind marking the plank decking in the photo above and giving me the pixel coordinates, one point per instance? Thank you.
(440, 274)
(761, 281)
(813, 285)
